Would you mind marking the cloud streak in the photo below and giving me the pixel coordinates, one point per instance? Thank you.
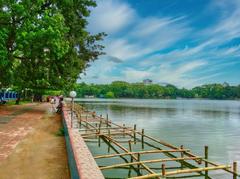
(110, 16)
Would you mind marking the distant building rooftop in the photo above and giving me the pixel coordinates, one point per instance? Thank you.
(147, 81)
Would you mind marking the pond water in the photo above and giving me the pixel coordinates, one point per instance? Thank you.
(192, 123)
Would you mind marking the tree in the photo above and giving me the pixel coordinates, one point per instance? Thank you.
(45, 44)
(109, 94)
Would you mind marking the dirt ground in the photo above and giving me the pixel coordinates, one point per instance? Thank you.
(40, 154)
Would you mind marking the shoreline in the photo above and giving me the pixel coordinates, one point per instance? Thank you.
(161, 99)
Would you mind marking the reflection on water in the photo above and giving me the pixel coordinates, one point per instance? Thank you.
(192, 123)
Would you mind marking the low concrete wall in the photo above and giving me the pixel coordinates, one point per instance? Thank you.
(81, 162)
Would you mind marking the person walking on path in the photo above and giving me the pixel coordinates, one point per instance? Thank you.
(52, 101)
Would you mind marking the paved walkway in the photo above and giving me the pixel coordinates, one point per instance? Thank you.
(29, 146)
(17, 122)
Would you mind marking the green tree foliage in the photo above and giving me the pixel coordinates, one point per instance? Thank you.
(121, 89)
(44, 44)
(109, 94)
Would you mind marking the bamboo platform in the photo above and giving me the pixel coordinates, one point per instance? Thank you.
(170, 161)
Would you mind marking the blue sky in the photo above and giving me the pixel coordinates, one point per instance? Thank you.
(182, 42)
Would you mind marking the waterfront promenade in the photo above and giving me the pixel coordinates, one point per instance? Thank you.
(29, 146)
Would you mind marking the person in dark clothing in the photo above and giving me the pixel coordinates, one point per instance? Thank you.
(17, 100)
(60, 105)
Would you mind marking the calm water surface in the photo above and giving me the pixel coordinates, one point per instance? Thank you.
(192, 123)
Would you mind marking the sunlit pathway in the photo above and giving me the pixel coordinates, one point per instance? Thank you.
(16, 123)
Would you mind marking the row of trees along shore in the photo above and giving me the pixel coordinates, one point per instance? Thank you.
(45, 45)
(121, 89)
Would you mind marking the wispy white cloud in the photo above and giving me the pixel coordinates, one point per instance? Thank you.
(227, 26)
(98, 71)
(121, 48)
(154, 25)
(110, 16)
(149, 34)
(178, 75)
(133, 75)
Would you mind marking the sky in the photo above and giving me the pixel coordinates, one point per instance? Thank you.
(186, 43)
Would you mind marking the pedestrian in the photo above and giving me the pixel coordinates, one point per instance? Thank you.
(52, 101)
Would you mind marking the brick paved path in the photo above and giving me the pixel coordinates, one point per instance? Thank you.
(16, 122)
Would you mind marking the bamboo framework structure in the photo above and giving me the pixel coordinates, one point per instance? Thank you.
(131, 146)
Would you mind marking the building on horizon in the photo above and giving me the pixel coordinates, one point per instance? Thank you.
(147, 81)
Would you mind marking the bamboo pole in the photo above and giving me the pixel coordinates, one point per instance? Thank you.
(235, 170)
(130, 146)
(86, 127)
(215, 164)
(138, 157)
(95, 141)
(102, 133)
(153, 168)
(168, 145)
(206, 157)
(114, 149)
(187, 164)
(107, 120)
(109, 141)
(99, 141)
(124, 149)
(149, 161)
(142, 138)
(163, 170)
(105, 132)
(140, 152)
(102, 128)
(99, 129)
(181, 172)
(89, 124)
(130, 149)
(182, 155)
(134, 134)
(96, 134)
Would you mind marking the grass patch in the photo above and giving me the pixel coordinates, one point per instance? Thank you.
(13, 102)
(60, 132)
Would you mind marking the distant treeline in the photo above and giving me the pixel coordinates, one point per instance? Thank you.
(121, 89)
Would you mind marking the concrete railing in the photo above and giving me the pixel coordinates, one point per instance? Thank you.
(81, 162)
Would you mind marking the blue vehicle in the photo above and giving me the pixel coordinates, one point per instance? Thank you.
(7, 96)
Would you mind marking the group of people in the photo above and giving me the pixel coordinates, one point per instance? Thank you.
(56, 103)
